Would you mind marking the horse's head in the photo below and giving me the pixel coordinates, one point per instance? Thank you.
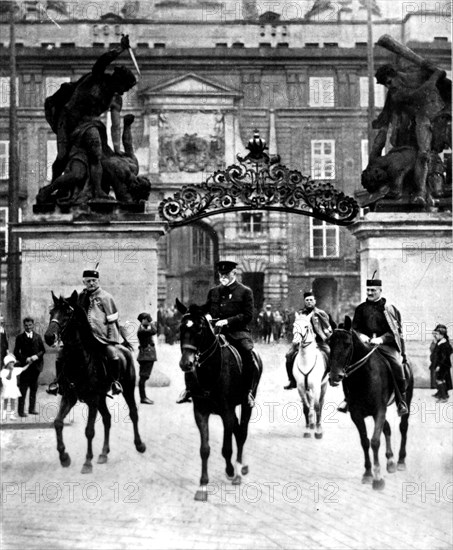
(341, 349)
(61, 312)
(302, 331)
(193, 331)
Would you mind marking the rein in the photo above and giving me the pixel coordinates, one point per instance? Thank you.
(350, 369)
(63, 329)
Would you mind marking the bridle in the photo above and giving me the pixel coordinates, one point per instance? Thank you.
(350, 369)
(202, 357)
(57, 322)
(303, 336)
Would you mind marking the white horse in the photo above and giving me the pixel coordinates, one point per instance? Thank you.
(309, 370)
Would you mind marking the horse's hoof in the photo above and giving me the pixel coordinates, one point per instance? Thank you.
(244, 470)
(401, 467)
(141, 447)
(201, 496)
(318, 435)
(307, 435)
(229, 472)
(378, 484)
(65, 460)
(391, 467)
(237, 480)
(367, 479)
(230, 478)
(102, 459)
(87, 469)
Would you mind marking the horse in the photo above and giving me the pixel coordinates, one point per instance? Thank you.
(218, 388)
(309, 371)
(368, 384)
(83, 377)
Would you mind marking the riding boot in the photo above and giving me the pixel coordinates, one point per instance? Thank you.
(53, 387)
(141, 389)
(290, 356)
(401, 389)
(114, 366)
(186, 395)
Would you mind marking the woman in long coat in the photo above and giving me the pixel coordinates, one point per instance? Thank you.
(146, 353)
(441, 362)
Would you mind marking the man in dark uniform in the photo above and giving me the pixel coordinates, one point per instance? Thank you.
(29, 350)
(323, 326)
(231, 305)
(379, 323)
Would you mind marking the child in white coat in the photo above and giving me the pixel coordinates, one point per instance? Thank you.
(11, 392)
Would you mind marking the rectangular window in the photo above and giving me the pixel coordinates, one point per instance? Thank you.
(379, 93)
(3, 231)
(53, 83)
(324, 239)
(51, 156)
(321, 91)
(251, 223)
(323, 159)
(202, 249)
(5, 91)
(364, 153)
(4, 159)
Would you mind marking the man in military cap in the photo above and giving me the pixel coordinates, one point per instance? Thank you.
(379, 323)
(231, 306)
(323, 326)
(103, 316)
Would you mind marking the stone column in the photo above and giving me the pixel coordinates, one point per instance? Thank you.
(412, 253)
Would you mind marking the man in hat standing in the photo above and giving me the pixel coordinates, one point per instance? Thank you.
(103, 316)
(231, 304)
(379, 323)
(323, 326)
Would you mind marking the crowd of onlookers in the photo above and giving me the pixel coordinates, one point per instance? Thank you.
(274, 325)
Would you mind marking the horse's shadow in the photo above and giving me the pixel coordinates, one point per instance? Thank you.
(82, 377)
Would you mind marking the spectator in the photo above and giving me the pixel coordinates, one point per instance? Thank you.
(268, 324)
(146, 353)
(11, 391)
(29, 351)
(278, 326)
(441, 363)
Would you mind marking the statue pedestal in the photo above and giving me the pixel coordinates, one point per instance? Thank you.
(56, 248)
(412, 253)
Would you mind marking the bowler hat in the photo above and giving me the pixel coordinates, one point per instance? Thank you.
(91, 274)
(225, 266)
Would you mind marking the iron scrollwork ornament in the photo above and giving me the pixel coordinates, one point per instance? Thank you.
(259, 182)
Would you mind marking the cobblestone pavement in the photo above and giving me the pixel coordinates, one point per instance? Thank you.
(300, 493)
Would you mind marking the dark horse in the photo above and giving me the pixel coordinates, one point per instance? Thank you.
(219, 388)
(83, 377)
(369, 387)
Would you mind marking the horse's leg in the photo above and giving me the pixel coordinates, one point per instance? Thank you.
(391, 466)
(379, 420)
(87, 467)
(129, 396)
(66, 405)
(107, 420)
(359, 421)
(306, 407)
(404, 426)
(202, 421)
(229, 420)
(240, 433)
(319, 404)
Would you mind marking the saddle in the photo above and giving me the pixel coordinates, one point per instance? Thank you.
(225, 344)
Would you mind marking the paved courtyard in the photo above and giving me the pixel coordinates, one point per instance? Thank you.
(300, 493)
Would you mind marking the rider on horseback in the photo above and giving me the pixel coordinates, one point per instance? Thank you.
(323, 326)
(379, 323)
(102, 315)
(231, 305)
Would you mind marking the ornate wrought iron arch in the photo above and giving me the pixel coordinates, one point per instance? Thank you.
(259, 182)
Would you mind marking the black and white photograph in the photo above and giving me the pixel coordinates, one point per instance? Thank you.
(226, 265)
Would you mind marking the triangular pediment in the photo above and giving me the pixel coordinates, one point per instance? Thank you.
(190, 84)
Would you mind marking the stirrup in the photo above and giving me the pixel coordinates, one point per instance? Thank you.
(343, 407)
(185, 397)
(117, 388)
(402, 409)
(52, 388)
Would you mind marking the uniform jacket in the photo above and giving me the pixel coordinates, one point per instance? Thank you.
(234, 303)
(102, 315)
(146, 348)
(320, 321)
(379, 319)
(26, 347)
